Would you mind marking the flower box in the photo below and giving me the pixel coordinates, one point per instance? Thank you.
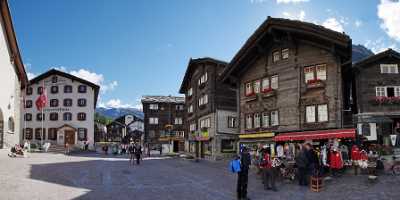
(268, 93)
(387, 100)
(315, 83)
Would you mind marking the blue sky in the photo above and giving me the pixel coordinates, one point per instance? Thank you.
(142, 47)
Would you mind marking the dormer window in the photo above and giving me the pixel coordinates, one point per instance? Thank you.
(54, 79)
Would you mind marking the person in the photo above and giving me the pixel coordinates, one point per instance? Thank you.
(131, 151)
(243, 175)
(336, 161)
(268, 171)
(355, 157)
(67, 150)
(302, 166)
(138, 153)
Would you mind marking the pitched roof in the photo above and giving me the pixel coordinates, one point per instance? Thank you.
(12, 43)
(52, 72)
(288, 25)
(191, 67)
(376, 57)
(163, 99)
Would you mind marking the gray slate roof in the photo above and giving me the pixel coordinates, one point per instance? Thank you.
(163, 99)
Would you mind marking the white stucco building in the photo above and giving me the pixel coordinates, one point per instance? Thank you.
(69, 112)
(13, 77)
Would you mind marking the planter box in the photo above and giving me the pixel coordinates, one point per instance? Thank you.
(316, 84)
(269, 94)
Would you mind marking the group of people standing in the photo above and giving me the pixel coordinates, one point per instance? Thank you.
(135, 151)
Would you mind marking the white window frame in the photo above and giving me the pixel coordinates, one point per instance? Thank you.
(153, 120)
(178, 121)
(265, 119)
(265, 84)
(380, 91)
(274, 118)
(257, 86)
(275, 82)
(257, 120)
(309, 73)
(192, 127)
(249, 121)
(397, 91)
(321, 72)
(285, 54)
(389, 68)
(153, 106)
(323, 113)
(276, 56)
(248, 88)
(190, 92)
(231, 122)
(310, 114)
(190, 109)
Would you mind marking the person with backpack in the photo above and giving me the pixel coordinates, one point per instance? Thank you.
(243, 175)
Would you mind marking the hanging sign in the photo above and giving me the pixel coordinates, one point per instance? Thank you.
(393, 139)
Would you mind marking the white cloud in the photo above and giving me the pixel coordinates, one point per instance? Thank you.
(290, 1)
(389, 13)
(379, 45)
(358, 23)
(31, 75)
(334, 24)
(300, 16)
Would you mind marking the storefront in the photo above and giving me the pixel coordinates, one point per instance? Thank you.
(256, 141)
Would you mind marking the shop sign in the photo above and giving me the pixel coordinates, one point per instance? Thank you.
(257, 135)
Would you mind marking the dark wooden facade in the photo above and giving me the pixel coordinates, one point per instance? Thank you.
(165, 131)
(300, 46)
(221, 98)
(378, 96)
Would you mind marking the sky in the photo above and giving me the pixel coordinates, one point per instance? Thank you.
(133, 48)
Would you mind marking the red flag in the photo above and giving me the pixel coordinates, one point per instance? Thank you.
(41, 100)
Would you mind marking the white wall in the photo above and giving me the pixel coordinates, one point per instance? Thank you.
(75, 109)
(9, 93)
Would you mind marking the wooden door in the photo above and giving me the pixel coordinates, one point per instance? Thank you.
(69, 137)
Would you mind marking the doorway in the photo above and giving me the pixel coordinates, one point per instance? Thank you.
(69, 137)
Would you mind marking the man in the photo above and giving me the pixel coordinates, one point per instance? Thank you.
(268, 171)
(302, 166)
(243, 175)
(138, 152)
(131, 151)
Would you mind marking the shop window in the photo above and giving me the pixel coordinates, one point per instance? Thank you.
(82, 134)
(228, 146)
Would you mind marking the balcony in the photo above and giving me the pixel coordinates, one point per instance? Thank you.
(316, 83)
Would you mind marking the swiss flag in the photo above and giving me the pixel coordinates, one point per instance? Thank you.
(41, 100)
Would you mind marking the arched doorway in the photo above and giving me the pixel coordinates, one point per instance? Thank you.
(1, 130)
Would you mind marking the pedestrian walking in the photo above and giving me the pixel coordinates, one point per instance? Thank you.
(131, 151)
(243, 175)
(138, 153)
(302, 166)
(355, 157)
(268, 171)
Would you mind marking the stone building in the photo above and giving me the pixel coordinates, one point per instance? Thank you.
(69, 113)
(210, 110)
(291, 84)
(13, 77)
(126, 128)
(164, 124)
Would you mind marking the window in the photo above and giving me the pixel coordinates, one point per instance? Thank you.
(390, 91)
(54, 79)
(274, 82)
(180, 133)
(321, 72)
(153, 120)
(276, 56)
(67, 116)
(11, 125)
(308, 74)
(192, 127)
(256, 120)
(54, 103)
(190, 92)
(28, 103)
(203, 78)
(28, 117)
(68, 89)
(29, 90)
(265, 84)
(249, 122)
(82, 88)
(249, 89)
(40, 90)
(52, 134)
(274, 118)
(54, 89)
(322, 113)
(153, 106)
(285, 54)
(28, 133)
(203, 100)
(265, 120)
(310, 114)
(257, 86)
(81, 102)
(380, 91)
(82, 134)
(228, 145)
(190, 109)
(40, 133)
(53, 116)
(81, 116)
(389, 69)
(40, 117)
(179, 107)
(67, 102)
(231, 122)
(397, 91)
(178, 121)
(205, 123)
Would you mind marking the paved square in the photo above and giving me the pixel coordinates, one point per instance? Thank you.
(55, 176)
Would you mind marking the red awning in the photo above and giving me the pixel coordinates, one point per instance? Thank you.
(317, 135)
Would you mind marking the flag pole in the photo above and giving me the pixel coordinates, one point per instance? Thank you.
(41, 137)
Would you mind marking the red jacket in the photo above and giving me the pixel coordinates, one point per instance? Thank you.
(363, 155)
(355, 153)
(266, 162)
(336, 160)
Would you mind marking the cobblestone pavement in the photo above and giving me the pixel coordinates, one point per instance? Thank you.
(55, 176)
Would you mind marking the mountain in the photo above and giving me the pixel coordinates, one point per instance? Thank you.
(360, 52)
(117, 112)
